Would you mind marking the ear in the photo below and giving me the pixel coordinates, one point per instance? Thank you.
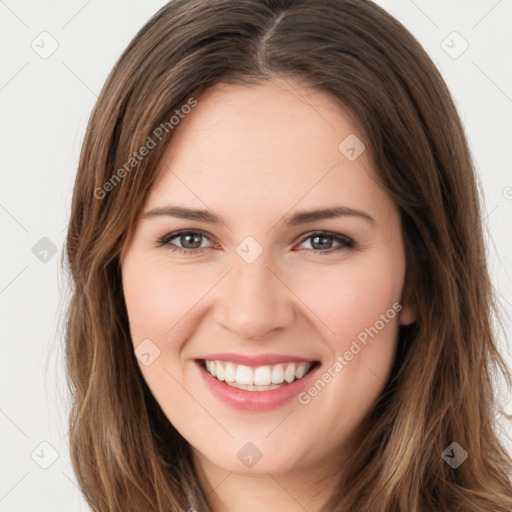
(408, 314)
(408, 300)
(409, 311)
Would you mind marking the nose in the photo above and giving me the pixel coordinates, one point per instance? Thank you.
(253, 300)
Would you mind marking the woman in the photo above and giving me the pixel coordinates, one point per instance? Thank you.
(281, 300)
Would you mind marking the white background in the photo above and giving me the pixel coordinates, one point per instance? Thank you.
(44, 108)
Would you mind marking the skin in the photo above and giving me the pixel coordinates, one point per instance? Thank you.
(254, 156)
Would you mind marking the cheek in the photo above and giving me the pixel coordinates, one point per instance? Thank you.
(159, 301)
(342, 300)
(353, 299)
(158, 297)
(359, 311)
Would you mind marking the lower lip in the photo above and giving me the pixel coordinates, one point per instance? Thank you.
(255, 400)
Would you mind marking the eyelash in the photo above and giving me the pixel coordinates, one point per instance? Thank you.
(344, 241)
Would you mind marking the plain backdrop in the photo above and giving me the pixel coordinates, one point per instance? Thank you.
(54, 58)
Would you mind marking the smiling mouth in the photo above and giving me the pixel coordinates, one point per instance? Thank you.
(259, 378)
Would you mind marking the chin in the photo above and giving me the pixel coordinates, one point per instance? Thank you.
(254, 458)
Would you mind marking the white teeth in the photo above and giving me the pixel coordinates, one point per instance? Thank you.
(211, 367)
(302, 369)
(219, 370)
(277, 374)
(261, 378)
(255, 388)
(244, 375)
(230, 372)
(289, 373)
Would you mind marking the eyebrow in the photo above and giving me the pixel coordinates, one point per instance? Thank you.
(301, 217)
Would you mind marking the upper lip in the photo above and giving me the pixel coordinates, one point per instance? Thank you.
(255, 360)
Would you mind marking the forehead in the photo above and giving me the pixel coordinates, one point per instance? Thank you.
(269, 145)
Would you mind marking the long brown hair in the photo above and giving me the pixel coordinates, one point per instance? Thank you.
(126, 454)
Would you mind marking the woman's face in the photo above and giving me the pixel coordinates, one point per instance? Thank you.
(257, 288)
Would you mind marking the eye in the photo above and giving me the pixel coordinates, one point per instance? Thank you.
(190, 241)
(322, 242)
